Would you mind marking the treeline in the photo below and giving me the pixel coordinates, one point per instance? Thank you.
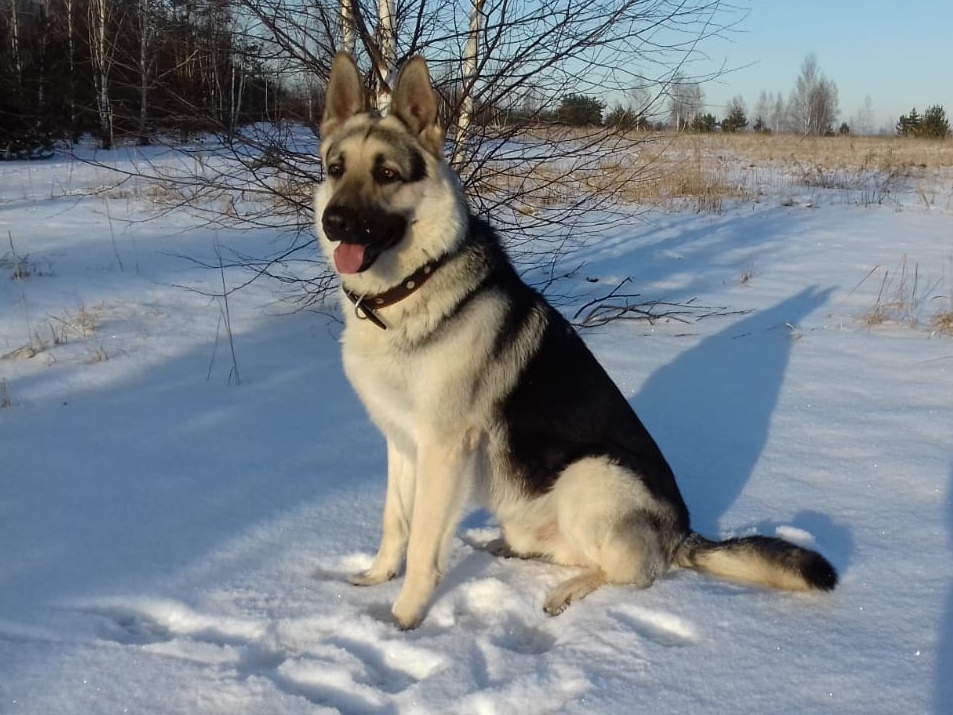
(129, 68)
(137, 68)
(933, 124)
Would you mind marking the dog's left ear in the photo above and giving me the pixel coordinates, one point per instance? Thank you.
(415, 103)
(345, 95)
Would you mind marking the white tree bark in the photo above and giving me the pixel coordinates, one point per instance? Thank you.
(470, 57)
(98, 22)
(146, 30)
(387, 58)
(347, 26)
(15, 42)
(70, 31)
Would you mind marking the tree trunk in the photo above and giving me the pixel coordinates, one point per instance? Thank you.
(145, 37)
(347, 26)
(387, 58)
(469, 80)
(99, 19)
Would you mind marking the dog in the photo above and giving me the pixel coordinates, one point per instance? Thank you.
(482, 389)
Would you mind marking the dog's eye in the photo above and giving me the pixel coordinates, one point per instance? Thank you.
(386, 175)
(336, 169)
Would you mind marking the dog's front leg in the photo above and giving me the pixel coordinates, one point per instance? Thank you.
(398, 504)
(444, 474)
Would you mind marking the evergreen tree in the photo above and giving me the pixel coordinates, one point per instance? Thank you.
(580, 110)
(704, 123)
(736, 118)
(626, 118)
(934, 124)
(735, 121)
(909, 124)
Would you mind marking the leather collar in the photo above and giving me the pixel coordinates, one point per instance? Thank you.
(365, 305)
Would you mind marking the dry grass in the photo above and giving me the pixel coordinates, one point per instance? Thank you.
(58, 330)
(702, 171)
(943, 323)
(710, 168)
(900, 298)
(830, 153)
(904, 297)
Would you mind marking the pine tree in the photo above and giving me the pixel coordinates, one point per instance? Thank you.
(934, 124)
(735, 121)
(580, 110)
(736, 118)
(704, 123)
(909, 124)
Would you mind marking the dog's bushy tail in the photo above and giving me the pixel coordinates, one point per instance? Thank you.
(759, 561)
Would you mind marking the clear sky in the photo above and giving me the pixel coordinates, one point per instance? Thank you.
(899, 54)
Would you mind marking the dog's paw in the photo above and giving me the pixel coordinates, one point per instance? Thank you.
(407, 616)
(575, 589)
(371, 577)
(410, 607)
(500, 549)
(555, 606)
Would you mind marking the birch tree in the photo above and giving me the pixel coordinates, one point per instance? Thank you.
(347, 26)
(813, 106)
(385, 58)
(502, 68)
(469, 78)
(686, 100)
(101, 56)
(146, 27)
(14, 27)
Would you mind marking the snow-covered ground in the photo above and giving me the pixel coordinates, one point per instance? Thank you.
(173, 542)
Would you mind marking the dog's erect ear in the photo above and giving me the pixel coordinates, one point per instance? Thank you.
(415, 104)
(345, 96)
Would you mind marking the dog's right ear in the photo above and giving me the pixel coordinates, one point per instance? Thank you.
(345, 95)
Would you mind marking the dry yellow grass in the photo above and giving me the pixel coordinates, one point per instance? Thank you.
(711, 167)
(837, 152)
(943, 323)
(701, 171)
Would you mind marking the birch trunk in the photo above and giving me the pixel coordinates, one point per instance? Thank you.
(98, 21)
(15, 44)
(145, 38)
(70, 31)
(387, 58)
(347, 26)
(469, 79)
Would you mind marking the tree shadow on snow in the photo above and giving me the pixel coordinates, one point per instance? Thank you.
(170, 468)
(710, 409)
(943, 688)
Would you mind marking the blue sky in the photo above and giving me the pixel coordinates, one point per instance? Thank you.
(899, 54)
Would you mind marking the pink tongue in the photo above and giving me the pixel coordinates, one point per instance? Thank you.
(348, 257)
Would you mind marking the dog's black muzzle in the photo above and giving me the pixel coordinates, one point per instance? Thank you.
(375, 230)
(342, 223)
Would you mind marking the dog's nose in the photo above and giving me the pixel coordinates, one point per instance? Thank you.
(339, 223)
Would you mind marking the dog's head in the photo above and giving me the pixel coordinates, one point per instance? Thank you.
(388, 204)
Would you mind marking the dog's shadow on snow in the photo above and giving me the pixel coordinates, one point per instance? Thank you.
(710, 409)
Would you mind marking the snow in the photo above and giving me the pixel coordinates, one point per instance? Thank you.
(174, 542)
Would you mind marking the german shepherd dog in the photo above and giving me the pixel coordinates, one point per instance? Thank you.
(482, 389)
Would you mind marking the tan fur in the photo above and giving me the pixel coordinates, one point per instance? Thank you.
(749, 568)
